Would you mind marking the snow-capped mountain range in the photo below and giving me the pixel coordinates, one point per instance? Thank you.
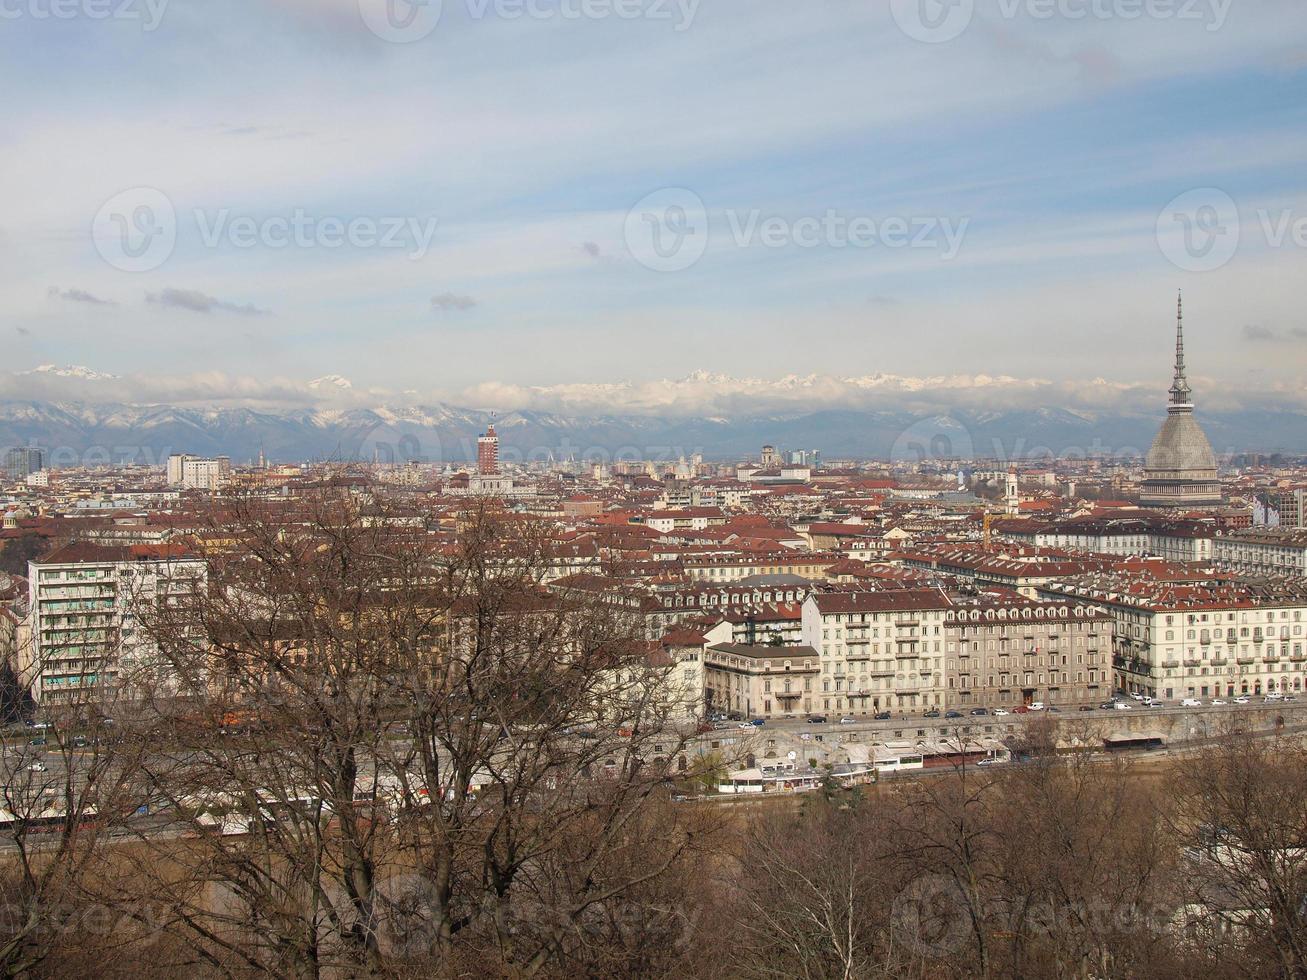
(76, 432)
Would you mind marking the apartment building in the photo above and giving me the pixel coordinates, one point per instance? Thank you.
(761, 681)
(878, 650)
(86, 602)
(1005, 651)
(1263, 551)
(1201, 640)
(197, 473)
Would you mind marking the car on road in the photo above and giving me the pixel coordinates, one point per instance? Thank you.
(884, 715)
(743, 724)
(1218, 701)
(1241, 700)
(816, 719)
(1272, 698)
(1122, 706)
(1001, 712)
(932, 713)
(980, 711)
(1021, 709)
(847, 721)
(1087, 707)
(1136, 697)
(38, 767)
(1191, 703)
(37, 741)
(987, 762)
(953, 714)
(758, 722)
(1036, 706)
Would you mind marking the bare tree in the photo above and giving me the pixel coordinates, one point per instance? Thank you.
(1241, 808)
(393, 743)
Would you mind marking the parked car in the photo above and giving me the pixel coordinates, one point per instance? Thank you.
(1191, 703)
(1218, 701)
(37, 741)
(1021, 709)
(1001, 713)
(1087, 707)
(1136, 697)
(1122, 706)
(932, 713)
(847, 721)
(980, 711)
(953, 714)
(884, 715)
(816, 719)
(1036, 706)
(758, 722)
(38, 767)
(1241, 699)
(987, 762)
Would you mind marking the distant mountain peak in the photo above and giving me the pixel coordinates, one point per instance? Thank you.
(71, 371)
(331, 381)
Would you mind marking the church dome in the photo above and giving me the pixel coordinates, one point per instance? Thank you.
(1181, 446)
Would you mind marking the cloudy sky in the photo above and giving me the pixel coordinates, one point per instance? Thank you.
(583, 202)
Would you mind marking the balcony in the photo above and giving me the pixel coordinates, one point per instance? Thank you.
(1220, 661)
(1192, 662)
(858, 655)
(1246, 660)
(905, 654)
